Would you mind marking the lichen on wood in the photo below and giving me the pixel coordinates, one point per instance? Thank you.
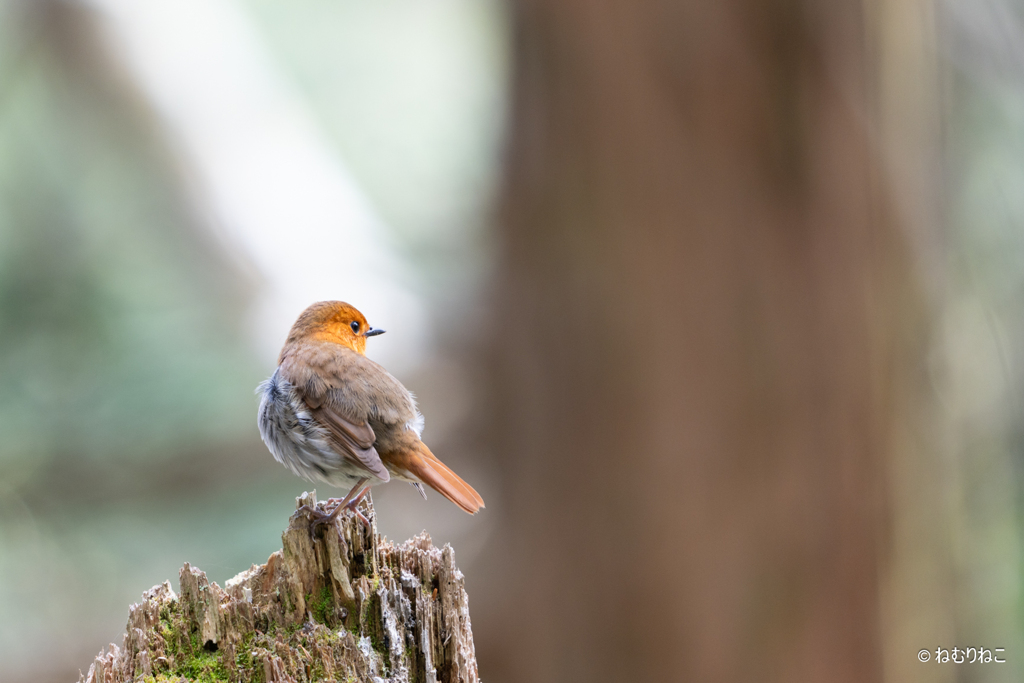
(343, 604)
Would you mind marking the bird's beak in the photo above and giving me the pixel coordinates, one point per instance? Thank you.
(372, 332)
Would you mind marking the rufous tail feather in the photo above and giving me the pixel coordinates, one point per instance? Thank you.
(435, 474)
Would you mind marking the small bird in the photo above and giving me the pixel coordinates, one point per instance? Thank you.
(329, 413)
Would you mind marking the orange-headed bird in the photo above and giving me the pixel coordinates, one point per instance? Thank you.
(329, 413)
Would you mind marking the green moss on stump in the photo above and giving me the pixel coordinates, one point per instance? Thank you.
(322, 605)
(283, 621)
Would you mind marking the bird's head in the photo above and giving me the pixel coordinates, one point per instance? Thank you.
(333, 321)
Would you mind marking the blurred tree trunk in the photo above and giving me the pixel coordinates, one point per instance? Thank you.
(698, 313)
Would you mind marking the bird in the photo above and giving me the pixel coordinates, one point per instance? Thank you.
(328, 413)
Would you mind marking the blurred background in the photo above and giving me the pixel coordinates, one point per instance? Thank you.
(180, 180)
(721, 309)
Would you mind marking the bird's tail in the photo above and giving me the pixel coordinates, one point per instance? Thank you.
(435, 474)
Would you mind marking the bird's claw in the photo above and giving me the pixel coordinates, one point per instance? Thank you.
(318, 518)
(361, 516)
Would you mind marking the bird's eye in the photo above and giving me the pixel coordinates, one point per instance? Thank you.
(355, 327)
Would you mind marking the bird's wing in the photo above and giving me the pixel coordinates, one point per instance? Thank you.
(352, 439)
(359, 433)
(317, 378)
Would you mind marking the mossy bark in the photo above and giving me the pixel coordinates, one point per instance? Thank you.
(341, 605)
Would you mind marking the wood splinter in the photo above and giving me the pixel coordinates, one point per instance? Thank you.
(340, 604)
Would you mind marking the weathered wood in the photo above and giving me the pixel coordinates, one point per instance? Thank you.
(343, 605)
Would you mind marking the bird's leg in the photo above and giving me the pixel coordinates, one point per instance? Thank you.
(320, 518)
(350, 502)
(355, 502)
(354, 495)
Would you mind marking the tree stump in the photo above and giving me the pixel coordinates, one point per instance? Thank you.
(344, 604)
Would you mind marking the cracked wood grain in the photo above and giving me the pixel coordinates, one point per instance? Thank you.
(344, 604)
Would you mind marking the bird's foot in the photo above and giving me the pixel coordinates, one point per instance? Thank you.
(319, 518)
(353, 507)
(360, 515)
